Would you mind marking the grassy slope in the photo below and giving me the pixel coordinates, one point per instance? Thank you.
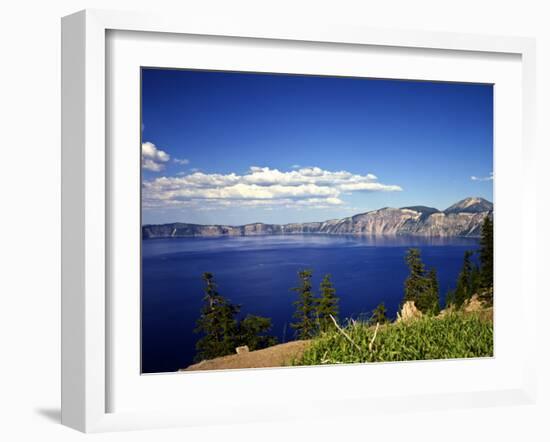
(457, 335)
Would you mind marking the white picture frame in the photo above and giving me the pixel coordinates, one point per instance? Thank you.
(86, 315)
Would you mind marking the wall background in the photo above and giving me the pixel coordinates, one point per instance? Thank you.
(30, 215)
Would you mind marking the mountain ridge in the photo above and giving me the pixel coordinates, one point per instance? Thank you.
(463, 218)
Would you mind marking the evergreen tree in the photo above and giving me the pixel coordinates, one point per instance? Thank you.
(327, 304)
(464, 284)
(305, 324)
(252, 332)
(432, 300)
(486, 253)
(475, 280)
(415, 284)
(217, 323)
(221, 331)
(420, 287)
(379, 315)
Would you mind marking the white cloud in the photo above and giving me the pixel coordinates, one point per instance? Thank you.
(181, 161)
(259, 187)
(483, 178)
(152, 158)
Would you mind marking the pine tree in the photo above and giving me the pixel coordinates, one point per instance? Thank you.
(252, 332)
(305, 324)
(327, 304)
(464, 283)
(379, 315)
(432, 301)
(415, 282)
(419, 287)
(486, 253)
(475, 280)
(217, 323)
(221, 331)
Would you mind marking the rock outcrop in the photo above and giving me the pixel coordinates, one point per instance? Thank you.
(473, 305)
(408, 312)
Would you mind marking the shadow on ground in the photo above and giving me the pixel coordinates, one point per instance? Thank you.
(51, 414)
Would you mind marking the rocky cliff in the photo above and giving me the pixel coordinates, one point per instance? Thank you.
(461, 219)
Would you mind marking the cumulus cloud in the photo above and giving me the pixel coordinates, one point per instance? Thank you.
(482, 178)
(181, 161)
(310, 187)
(152, 158)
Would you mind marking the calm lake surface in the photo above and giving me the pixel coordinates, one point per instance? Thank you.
(259, 272)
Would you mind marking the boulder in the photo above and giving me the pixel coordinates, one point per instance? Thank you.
(408, 312)
(242, 349)
(473, 305)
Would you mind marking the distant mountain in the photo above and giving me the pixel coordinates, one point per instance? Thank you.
(461, 219)
(471, 205)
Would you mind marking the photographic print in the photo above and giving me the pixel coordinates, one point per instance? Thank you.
(299, 220)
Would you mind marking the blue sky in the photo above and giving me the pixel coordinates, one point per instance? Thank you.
(234, 148)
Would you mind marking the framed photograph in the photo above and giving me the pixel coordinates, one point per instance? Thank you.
(319, 214)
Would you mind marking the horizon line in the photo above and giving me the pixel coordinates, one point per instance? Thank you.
(324, 221)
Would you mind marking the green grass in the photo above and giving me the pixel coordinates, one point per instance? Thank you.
(456, 335)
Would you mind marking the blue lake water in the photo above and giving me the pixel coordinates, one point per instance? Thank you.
(259, 272)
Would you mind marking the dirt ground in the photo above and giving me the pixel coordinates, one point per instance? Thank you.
(276, 356)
